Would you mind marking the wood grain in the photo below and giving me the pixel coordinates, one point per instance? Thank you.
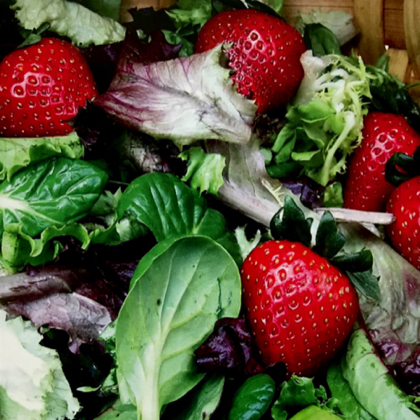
(412, 33)
(369, 17)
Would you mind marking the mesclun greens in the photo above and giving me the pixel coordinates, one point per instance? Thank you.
(174, 301)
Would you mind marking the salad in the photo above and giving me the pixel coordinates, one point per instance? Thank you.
(173, 238)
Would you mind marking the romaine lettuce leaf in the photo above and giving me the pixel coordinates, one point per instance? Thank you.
(69, 19)
(184, 100)
(17, 153)
(32, 382)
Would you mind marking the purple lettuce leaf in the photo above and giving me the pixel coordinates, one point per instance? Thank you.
(229, 350)
(80, 294)
(184, 100)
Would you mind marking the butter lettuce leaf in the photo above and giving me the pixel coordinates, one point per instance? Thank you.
(69, 19)
(184, 100)
(32, 382)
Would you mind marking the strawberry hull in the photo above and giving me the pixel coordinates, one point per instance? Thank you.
(300, 308)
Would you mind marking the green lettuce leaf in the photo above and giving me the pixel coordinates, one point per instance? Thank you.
(177, 294)
(69, 19)
(191, 12)
(32, 382)
(204, 169)
(17, 153)
(42, 202)
(372, 384)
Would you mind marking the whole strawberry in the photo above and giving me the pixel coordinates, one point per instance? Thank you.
(404, 204)
(300, 308)
(383, 134)
(41, 88)
(265, 54)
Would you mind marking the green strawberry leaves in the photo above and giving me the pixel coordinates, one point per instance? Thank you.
(328, 238)
(290, 224)
(402, 167)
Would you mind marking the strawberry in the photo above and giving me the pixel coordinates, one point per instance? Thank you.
(404, 204)
(383, 135)
(300, 307)
(41, 88)
(265, 54)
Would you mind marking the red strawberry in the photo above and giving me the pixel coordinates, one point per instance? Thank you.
(383, 135)
(42, 87)
(404, 233)
(265, 54)
(300, 307)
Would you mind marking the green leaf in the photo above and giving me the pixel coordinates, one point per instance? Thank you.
(402, 167)
(71, 19)
(321, 40)
(253, 398)
(105, 8)
(175, 38)
(314, 412)
(295, 394)
(355, 262)
(328, 238)
(333, 195)
(290, 223)
(119, 411)
(19, 249)
(32, 382)
(17, 153)
(366, 283)
(176, 297)
(341, 391)
(204, 169)
(52, 193)
(169, 208)
(371, 383)
(201, 402)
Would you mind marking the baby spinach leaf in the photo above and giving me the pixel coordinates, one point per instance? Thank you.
(169, 208)
(50, 194)
(253, 398)
(175, 299)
